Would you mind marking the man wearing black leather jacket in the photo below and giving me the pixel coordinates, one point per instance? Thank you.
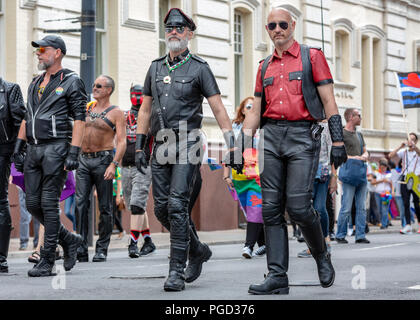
(175, 85)
(12, 111)
(294, 90)
(52, 130)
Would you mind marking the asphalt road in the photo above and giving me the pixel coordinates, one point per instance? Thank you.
(387, 268)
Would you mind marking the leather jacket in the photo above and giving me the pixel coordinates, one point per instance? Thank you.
(12, 112)
(63, 101)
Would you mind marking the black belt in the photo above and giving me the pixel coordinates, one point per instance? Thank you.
(97, 154)
(300, 123)
(47, 141)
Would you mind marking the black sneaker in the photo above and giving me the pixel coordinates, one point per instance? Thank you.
(147, 248)
(133, 250)
(332, 236)
(341, 240)
(363, 240)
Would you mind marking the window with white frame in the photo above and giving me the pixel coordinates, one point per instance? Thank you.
(2, 39)
(238, 37)
(100, 37)
(342, 56)
(163, 9)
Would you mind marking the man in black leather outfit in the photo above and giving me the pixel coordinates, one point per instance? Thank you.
(53, 129)
(294, 90)
(174, 89)
(12, 111)
(104, 123)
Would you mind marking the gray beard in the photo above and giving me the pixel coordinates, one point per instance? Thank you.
(43, 66)
(176, 45)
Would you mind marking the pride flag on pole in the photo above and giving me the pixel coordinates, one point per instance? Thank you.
(409, 86)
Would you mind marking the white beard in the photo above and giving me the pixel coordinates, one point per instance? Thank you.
(176, 45)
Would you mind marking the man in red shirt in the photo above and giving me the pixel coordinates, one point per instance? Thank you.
(297, 91)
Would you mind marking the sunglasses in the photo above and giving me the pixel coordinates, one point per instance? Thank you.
(98, 86)
(179, 29)
(248, 106)
(41, 49)
(283, 24)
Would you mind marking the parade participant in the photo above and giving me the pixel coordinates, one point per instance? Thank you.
(409, 153)
(12, 111)
(97, 165)
(136, 185)
(174, 89)
(56, 99)
(294, 89)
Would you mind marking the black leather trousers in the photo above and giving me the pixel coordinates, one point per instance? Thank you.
(172, 186)
(91, 173)
(5, 218)
(290, 163)
(44, 180)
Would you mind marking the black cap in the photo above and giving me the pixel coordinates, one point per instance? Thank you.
(176, 17)
(136, 88)
(51, 41)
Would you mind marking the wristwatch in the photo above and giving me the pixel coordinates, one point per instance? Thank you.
(117, 164)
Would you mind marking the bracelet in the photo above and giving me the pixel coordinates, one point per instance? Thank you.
(224, 178)
(116, 163)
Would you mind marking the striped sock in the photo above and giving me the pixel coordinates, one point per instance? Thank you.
(135, 234)
(146, 234)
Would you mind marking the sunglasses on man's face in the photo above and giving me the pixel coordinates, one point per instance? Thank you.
(98, 86)
(282, 24)
(179, 29)
(42, 49)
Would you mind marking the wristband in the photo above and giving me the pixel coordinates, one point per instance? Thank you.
(140, 141)
(336, 128)
(117, 164)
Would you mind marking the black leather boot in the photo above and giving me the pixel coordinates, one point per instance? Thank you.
(197, 255)
(276, 282)
(176, 278)
(44, 267)
(316, 244)
(5, 231)
(69, 242)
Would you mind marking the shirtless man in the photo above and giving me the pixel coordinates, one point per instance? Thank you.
(97, 166)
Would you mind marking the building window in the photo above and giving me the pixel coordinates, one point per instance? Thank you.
(342, 56)
(238, 37)
(163, 10)
(100, 37)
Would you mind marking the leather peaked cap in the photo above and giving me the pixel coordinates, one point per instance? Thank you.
(176, 17)
(136, 88)
(51, 41)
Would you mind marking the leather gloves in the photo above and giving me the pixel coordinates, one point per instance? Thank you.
(338, 154)
(72, 160)
(141, 161)
(19, 153)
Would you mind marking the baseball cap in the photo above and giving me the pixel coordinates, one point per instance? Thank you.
(51, 41)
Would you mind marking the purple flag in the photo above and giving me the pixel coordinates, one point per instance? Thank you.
(68, 190)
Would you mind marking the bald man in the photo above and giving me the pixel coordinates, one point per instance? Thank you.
(293, 91)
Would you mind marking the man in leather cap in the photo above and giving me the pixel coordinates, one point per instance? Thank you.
(53, 129)
(12, 111)
(136, 185)
(288, 103)
(174, 89)
(105, 122)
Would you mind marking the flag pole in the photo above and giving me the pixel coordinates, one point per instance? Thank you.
(402, 104)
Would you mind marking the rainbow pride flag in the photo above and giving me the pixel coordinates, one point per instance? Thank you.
(248, 188)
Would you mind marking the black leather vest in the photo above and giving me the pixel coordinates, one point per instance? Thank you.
(309, 89)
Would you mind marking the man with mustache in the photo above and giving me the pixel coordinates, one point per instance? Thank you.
(294, 90)
(174, 89)
(53, 129)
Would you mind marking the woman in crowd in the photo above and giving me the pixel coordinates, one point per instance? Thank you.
(246, 187)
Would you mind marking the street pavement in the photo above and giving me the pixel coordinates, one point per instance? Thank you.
(387, 268)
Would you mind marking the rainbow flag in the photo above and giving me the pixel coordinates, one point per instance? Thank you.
(248, 189)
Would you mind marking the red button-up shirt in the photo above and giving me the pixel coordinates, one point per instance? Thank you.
(284, 97)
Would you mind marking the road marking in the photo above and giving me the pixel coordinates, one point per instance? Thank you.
(417, 287)
(380, 247)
